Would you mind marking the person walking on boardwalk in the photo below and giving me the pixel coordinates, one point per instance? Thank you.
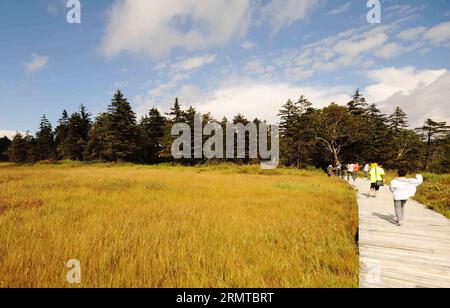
(338, 169)
(403, 189)
(351, 172)
(376, 175)
(356, 170)
(366, 170)
(330, 170)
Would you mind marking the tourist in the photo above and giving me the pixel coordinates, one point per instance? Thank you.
(351, 172)
(403, 189)
(330, 170)
(376, 179)
(338, 169)
(356, 170)
(366, 170)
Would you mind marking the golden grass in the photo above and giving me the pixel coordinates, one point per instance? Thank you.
(140, 226)
(435, 193)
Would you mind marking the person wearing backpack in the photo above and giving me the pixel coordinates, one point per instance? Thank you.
(403, 189)
(376, 176)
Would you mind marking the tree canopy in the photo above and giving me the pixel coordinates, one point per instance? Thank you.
(356, 131)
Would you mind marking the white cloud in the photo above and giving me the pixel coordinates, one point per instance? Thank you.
(389, 51)
(254, 99)
(439, 34)
(264, 100)
(341, 9)
(422, 94)
(391, 80)
(248, 45)
(403, 10)
(359, 47)
(282, 13)
(411, 34)
(8, 133)
(258, 67)
(193, 63)
(297, 73)
(36, 64)
(428, 102)
(350, 49)
(158, 26)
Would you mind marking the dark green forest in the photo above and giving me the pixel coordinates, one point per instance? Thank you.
(309, 137)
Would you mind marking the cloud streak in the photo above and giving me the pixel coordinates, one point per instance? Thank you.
(36, 64)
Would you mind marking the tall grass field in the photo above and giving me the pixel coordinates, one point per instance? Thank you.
(165, 226)
(435, 193)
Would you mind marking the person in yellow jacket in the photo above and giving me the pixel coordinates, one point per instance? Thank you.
(376, 176)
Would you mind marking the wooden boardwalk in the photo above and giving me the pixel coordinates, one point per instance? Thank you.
(415, 255)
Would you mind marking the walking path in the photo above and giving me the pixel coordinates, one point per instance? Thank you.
(415, 255)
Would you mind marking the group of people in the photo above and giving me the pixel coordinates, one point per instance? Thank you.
(350, 170)
(401, 187)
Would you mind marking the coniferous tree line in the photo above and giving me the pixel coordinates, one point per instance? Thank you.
(309, 136)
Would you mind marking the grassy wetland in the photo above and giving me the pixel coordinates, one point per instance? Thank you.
(164, 226)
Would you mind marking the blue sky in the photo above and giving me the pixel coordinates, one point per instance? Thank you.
(227, 57)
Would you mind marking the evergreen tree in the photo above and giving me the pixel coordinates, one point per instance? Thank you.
(289, 133)
(75, 142)
(306, 139)
(376, 142)
(30, 149)
(444, 164)
(152, 135)
(241, 119)
(224, 124)
(85, 123)
(61, 134)
(189, 118)
(122, 129)
(99, 146)
(398, 121)
(176, 114)
(5, 143)
(357, 106)
(296, 132)
(17, 150)
(45, 143)
(434, 134)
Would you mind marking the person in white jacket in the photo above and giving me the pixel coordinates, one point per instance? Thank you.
(403, 189)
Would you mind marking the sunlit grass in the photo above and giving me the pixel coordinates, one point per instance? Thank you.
(435, 193)
(163, 226)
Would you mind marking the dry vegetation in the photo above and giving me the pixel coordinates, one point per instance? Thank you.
(435, 193)
(139, 226)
